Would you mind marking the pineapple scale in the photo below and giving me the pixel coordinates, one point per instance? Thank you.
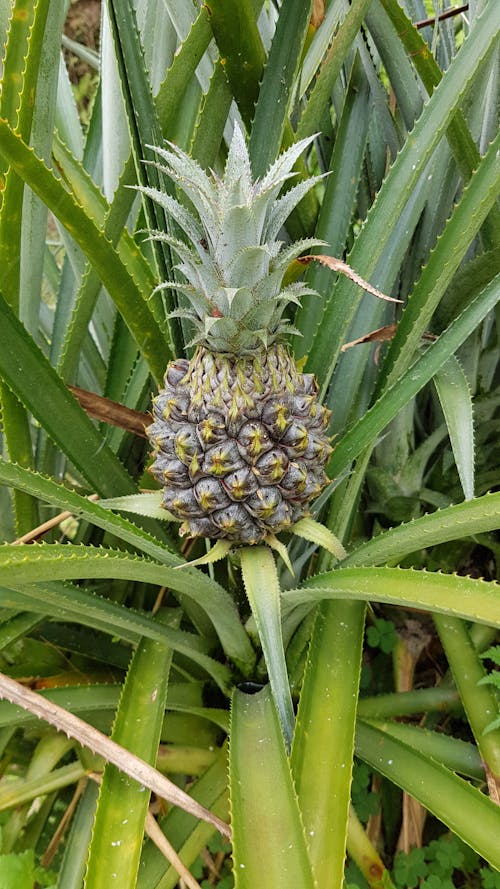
(239, 444)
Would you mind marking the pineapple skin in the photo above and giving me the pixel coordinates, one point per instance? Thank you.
(240, 444)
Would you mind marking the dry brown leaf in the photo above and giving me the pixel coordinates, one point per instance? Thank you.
(337, 265)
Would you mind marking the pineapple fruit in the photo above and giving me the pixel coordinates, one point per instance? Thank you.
(239, 438)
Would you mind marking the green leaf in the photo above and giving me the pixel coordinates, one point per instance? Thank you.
(107, 216)
(17, 627)
(148, 504)
(182, 70)
(455, 396)
(463, 808)
(27, 564)
(85, 701)
(317, 533)
(452, 594)
(74, 861)
(324, 737)
(123, 804)
(34, 213)
(66, 602)
(492, 654)
(452, 523)
(37, 385)
(15, 50)
(408, 703)
(365, 431)
(341, 186)
(276, 90)
(269, 848)
(19, 792)
(22, 60)
(18, 870)
(480, 701)
(443, 262)
(217, 552)
(331, 65)
(188, 836)
(113, 273)
(237, 36)
(214, 113)
(20, 72)
(363, 852)
(18, 444)
(98, 514)
(262, 588)
(458, 135)
(397, 188)
(145, 131)
(457, 755)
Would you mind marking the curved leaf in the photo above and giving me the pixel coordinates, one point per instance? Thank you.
(276, 88)
(466, 811)
(479, 196)
(452, 594)
(365, 431)
(455, 396)
(480, 701)
(81, 507)
(457, 755)
(27, 564)
(454, 522)
(70, 603)
(128, 762)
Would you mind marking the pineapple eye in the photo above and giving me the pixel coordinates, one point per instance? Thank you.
(186, 445)
(209, 430)
(174, 471)
(240, 484)
(181, 502)
(231, 520)
(271, 467)
(264, 502)
(210, 494)
(295, 478)
(296, 437)
(221, 460)
(276, 418)
(253, 440)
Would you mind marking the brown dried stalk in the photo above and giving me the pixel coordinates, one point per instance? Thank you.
(40, 530)
(90, 737)
(447, 14)
(111, 412)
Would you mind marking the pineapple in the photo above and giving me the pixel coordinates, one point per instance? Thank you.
(239, 439)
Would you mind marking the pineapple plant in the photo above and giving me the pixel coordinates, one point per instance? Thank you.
(240, 441)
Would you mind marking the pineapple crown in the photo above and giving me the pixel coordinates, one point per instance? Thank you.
(231, 260)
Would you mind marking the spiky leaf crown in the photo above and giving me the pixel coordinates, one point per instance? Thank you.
(230, 257)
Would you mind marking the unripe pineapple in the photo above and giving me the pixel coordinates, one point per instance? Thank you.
(240, 441)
